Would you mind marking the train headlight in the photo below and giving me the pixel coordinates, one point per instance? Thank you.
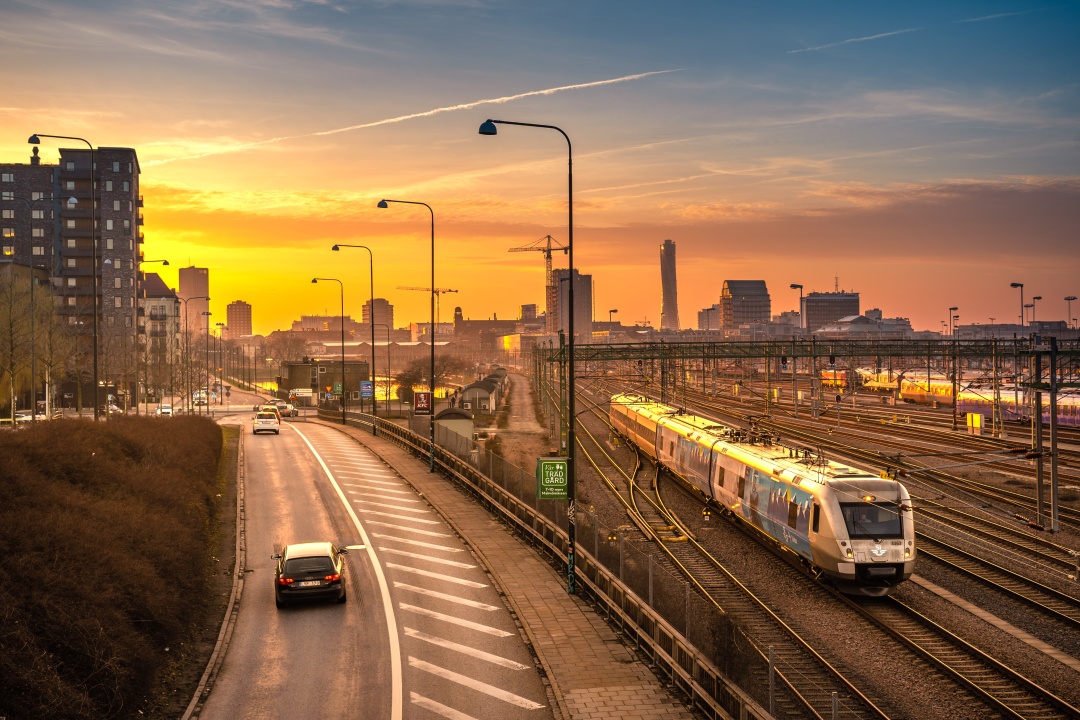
(907, 552)
(850, 555)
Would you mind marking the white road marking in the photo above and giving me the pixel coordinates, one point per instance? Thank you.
(417, 543)
(465, 650)
(403, 517)
(375, 494)
(438, 708)
(416, 531)
(479, 627)
(427, 558)
(396, 669)
(444, 596)
(417, 511)
(437, 576)
(491, 690)
(370, 489)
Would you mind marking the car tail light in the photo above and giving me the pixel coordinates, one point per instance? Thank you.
(284, 581)
(332, 578)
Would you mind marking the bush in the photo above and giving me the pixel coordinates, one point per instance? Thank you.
(105, 538)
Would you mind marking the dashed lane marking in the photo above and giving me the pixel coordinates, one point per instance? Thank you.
(435, 576)
(476, 605)
(491, 690)
(465, 650)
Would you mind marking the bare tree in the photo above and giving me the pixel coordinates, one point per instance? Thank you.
(14, 332)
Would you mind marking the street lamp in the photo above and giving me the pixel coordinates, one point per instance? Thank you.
(35, 139)
(207, 314)
(388, 370)
(164, 263)
(802, 321)
(950, 316)
(1069, 299)
(187, 345)
(219, 364)
(343, 395)
(488, 127)
(371, 321)
(609, 314)
(1021, 286)
(431, 380)
(1033, 300)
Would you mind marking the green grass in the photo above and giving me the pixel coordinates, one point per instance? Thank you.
(106, 533)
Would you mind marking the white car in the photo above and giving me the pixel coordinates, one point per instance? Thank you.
(265, 421)
(165, 409)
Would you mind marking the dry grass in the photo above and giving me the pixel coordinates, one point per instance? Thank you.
(105, 542)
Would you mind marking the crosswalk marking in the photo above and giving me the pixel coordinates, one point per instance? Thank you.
(491, 690)
(426, 558)
(438, 708)
(437, 576)
(445, 596)
(465, 650)
(479, 627)
(416, 543)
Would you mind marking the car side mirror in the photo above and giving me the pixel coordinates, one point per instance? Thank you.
(275, 557)
(343, 551)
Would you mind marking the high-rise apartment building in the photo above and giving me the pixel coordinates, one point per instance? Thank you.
(710, 318)
(582, 303)
(744, 301)
(669, 309)
(383, 315)
(195, 283)
(238, 319)
(822, 308)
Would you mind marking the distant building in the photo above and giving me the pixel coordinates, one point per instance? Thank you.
(582, 303)
(823, 308)
(529, 312)
(160, 333)
(744, 301)
(669, 309)
(195, 283)
(238, 319)
(710, 318)
(383, 314)
(856, 326)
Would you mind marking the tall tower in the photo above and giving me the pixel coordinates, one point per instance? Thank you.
(669, 311)
(195, 283)
(238, 318)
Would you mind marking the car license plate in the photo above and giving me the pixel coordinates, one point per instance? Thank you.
(310, 583)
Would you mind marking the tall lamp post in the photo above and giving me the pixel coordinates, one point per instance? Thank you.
(207, 314)
(187, 346)
(1021, 286)
(951, 311)
(219, 363)
(371, 322)
(1068, 316)
(431, 380)
(802, 322)
(35, 139)
(1034, 299)
(388, 370)
(343, 393)
(164, 263)
(488, 127)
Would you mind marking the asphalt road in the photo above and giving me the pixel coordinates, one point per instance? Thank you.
(423, 634)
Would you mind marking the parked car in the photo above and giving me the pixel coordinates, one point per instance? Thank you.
(22, 417)
(110, 409)
(265, 421)
(165, 410)
(310, 571)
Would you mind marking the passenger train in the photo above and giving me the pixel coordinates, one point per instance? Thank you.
(847, 524)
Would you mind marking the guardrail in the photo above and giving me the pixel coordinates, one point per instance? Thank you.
(644, 602)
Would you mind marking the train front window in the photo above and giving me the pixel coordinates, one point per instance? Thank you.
(872, 520)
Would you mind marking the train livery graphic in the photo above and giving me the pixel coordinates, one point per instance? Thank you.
(847, 524)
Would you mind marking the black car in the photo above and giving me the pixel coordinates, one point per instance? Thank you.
(310, 571)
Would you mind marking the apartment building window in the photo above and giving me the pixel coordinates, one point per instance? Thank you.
(9, 232)
(71, 262)
(108, 185)
(71, 301)
(8, 214)
(112, 321)
(8, 250)
(71, 243)
(70, 184)
(71, 318)
(38, 250)
(38, 232)
(116, 167)
(116, 302)
(127, 186)
(70, 164)
(108, 224)
(127, 321)
(127, 224)
(71, 282)
(36, 195)
(37, 214)
(7, 177)
(116, 283)
(7, 195)
(70, 224)
(116, 205)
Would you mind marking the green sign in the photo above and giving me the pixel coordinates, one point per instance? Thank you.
(337, 388)
(551, 478)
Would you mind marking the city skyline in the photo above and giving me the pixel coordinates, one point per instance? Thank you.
(924, 155)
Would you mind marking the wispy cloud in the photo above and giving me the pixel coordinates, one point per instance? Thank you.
(240, 147)
(855, 40)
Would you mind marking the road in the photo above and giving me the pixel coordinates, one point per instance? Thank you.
(423, 634)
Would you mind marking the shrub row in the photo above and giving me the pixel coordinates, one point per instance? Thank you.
(105, 550)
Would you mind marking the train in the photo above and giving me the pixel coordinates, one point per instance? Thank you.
(850, 526)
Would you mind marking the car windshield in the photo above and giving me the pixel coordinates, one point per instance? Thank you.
(266, 416)
(872, 520)
(308, 565)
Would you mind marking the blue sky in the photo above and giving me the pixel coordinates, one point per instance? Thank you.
(925, 153)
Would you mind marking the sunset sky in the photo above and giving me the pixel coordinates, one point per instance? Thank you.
(927, 154)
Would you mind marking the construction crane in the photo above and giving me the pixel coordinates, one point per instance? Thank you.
(549, 246)
(438, 292)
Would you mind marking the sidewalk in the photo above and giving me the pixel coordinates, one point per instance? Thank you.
(592, 674)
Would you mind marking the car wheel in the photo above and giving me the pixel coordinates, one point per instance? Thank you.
(277, 432)
(344, 596)
(279, 603)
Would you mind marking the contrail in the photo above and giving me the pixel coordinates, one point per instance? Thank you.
(855, 40)
(412, 116)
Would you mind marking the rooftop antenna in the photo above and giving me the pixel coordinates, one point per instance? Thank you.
(836, 283)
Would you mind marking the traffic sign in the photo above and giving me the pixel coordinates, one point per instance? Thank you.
(367, 389)
(337, 388)
(551, 478)
(422, 403)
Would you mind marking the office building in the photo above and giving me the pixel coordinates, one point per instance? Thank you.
(744, 301)
(710, 318)
(823, 308)
(195, 283)
(383, 315)
(582, 303)
(238, 319)
(669, 309)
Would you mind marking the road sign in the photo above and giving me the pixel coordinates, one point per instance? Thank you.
(337, 388)
(367, 389)
(551, 478)
(422, 403)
